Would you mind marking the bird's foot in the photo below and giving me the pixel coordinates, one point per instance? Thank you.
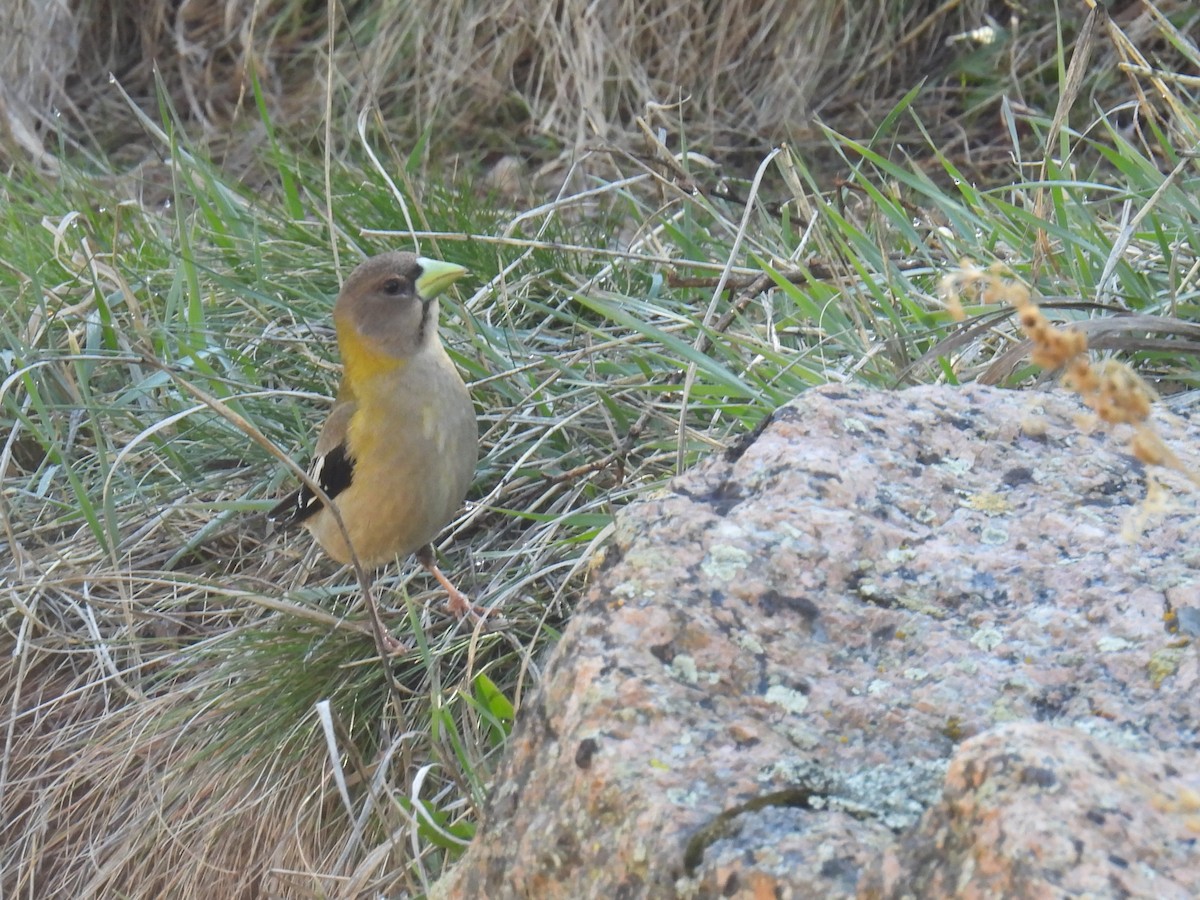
(393, 646)
(456, 601)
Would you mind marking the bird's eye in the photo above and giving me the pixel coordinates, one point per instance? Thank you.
(393, 286)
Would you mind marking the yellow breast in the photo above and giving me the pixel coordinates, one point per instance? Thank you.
(361, 362)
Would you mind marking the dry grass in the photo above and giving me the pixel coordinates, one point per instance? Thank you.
(501, 77)
(1111, 389)
(542, 81)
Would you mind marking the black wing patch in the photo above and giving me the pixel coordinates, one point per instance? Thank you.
(333, 472)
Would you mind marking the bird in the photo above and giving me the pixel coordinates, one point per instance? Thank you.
(397, 453)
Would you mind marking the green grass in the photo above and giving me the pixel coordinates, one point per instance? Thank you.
(166, 657)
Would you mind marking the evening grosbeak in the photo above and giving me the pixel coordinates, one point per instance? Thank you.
(398, 451)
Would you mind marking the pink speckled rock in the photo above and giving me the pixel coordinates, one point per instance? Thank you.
(815, 668)
(1030, 810)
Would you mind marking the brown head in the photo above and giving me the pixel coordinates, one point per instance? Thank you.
(388, 305)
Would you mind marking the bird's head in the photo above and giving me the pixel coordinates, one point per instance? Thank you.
(389, 302)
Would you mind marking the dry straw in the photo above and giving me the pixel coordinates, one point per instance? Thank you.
(493, 75)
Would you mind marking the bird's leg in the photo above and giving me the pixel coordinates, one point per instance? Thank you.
(456, 600)
(389, 645)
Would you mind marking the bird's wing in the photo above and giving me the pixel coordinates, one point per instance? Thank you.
(332, 467)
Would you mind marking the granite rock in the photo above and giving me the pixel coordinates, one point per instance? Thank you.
(1031, 810)
(916, 644)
